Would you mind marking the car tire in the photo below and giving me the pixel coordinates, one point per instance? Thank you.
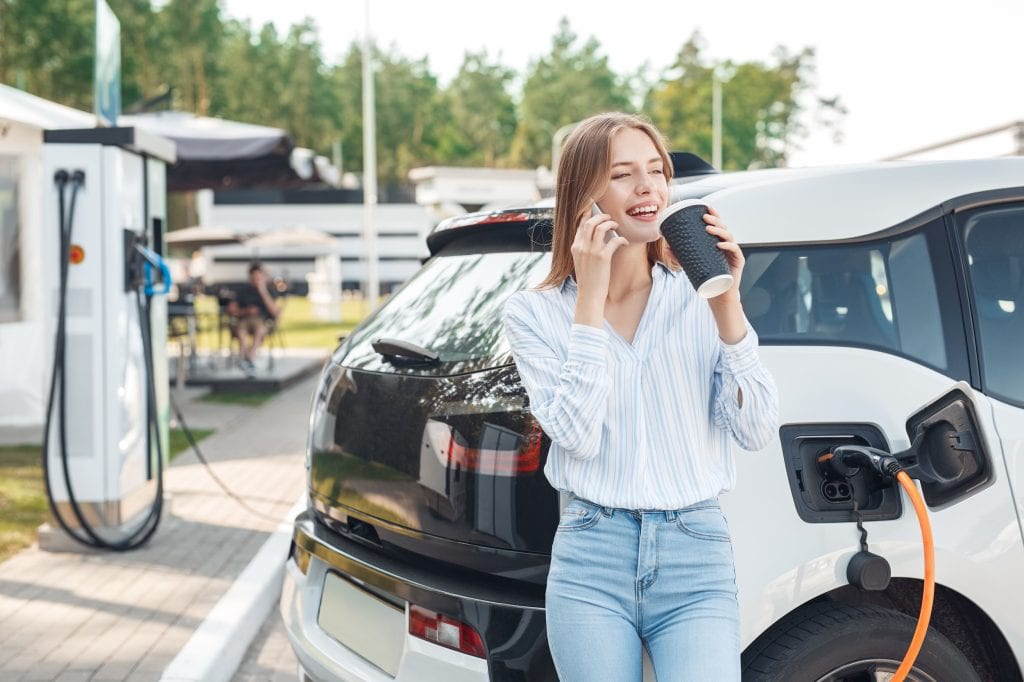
(837, 642)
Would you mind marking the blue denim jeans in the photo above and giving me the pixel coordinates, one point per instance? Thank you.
(621, 580)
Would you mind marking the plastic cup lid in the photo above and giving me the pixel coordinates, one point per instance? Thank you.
(680, 205)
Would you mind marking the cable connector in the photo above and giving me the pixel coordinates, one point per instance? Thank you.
(849, 458)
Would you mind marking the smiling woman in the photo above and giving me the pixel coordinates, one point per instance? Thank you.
(643, 389)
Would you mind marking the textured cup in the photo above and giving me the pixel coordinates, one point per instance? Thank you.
(683, 227)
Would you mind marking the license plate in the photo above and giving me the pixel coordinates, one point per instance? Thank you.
(363, 622)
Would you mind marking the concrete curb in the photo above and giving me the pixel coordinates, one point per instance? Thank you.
(217, 647)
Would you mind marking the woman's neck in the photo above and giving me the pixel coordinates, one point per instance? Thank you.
(631, 271)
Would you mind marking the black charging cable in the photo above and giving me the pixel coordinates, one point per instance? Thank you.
(209, 469)
(89, 535)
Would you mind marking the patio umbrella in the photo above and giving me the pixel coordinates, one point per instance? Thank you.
(199, 236)
(296, 235)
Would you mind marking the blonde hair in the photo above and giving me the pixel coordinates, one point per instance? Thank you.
(583, 170)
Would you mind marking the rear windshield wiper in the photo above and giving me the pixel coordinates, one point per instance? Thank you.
(397, 351)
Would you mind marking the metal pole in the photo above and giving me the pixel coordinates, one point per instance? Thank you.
(372, 285)
(716, 120)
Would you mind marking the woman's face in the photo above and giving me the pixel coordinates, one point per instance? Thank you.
(637, 190)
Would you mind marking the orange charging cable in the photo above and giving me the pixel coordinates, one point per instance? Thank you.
(929, 578)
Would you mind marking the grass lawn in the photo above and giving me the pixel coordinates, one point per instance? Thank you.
(179, 443)
(299, 327)
(250, 398)
(22, 498)
(22, 495)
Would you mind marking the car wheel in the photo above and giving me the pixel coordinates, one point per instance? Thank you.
(842, 642)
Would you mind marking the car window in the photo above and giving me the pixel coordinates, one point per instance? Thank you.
(993, 240)
(453, 305)
(880, 295)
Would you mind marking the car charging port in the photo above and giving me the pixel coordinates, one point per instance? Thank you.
(823, 494)
(836, 491)
(835, 485)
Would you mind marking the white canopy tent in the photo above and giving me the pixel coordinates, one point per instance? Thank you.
(217, 153)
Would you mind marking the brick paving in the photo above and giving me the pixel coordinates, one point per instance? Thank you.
(86, 615)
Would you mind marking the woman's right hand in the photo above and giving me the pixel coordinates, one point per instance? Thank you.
(592, 259)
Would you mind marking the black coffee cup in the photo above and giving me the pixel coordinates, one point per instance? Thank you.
(683, 226)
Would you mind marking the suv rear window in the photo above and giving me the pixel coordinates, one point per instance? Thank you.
(880, 295)
(452, 306)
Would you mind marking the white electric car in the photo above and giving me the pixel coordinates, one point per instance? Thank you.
(889, 303)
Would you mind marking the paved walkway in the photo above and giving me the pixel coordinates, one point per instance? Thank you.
(125, 616)
(270, 657)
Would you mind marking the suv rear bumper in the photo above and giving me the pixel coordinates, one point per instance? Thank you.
(509, 618)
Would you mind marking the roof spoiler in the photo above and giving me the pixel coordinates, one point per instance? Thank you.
(686, 164)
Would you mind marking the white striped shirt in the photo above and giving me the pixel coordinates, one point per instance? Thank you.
(646, 425)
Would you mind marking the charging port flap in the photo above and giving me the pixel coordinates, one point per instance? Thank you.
(821, 495)
(948, 454)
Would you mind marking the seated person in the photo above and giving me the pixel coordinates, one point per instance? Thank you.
(253, 307)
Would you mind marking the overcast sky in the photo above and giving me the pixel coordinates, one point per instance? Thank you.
(910, 72)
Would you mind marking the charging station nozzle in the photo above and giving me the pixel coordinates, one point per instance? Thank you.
(847, 460)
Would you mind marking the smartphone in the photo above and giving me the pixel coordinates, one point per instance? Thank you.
(610, 234)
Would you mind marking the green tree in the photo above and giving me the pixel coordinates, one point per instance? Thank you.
(46, 47)
(408, 110)
(144, 51)
(345, 80)
(761, 106)
(481, 114)
(195, 33)
(225, 68)
(282, 83)
(563, 87)
(251, 75)
(308, 104)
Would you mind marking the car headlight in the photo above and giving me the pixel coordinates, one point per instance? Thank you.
(318, 409)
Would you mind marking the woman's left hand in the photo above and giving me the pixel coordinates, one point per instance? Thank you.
(733, 254)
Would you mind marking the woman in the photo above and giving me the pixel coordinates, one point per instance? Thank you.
(641, 386)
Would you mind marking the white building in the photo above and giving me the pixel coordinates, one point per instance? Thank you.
(474, 189)
(401, 238)
(24, 364)
(401, 228)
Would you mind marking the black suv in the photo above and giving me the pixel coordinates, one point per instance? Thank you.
(884, 296)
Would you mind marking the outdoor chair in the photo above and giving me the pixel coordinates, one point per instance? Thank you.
(229, 342)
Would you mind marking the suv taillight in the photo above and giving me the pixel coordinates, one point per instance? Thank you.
(445, 631)
(524, 459)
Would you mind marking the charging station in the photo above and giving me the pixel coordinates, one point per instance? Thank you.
(106, 437)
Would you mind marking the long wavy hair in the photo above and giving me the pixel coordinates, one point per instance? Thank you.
(583, 173)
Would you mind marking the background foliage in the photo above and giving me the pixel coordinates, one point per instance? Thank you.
(187, 55)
